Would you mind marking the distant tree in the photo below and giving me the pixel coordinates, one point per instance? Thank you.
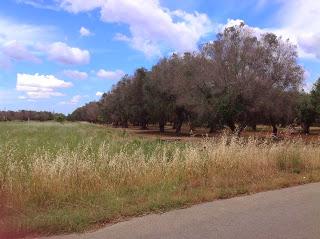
(115, 105)
(253, 79)
(306, 112)
(315, 97)
(308, 109)
(137, 98)
(160, 93)
(60, 118)
(89, 112)
(238, 80)
(25, 115)
(283, 79)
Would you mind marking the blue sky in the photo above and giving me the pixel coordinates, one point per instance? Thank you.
(57, 55)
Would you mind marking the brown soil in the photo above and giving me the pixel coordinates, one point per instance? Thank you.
(200, 133)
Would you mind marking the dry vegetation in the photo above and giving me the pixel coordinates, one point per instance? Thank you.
(58, 178)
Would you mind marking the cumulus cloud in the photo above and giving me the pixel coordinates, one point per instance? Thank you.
(297, 20)
(77, 75)
(73, 101)
(310, 44)
(58, 52)
(17, 41)
(26, 34)
(153, 28)
(17, 51)
(232, 23)
(85, 32)
(40, 86)
(256, 31)
(99, 93)
(110, 75)
(62, 53)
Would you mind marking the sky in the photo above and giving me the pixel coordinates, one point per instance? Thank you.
(57, 55)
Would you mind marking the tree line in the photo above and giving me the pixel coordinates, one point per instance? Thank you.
(236, 81)
(26, 115)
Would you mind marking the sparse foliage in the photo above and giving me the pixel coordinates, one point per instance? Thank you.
(238, 80)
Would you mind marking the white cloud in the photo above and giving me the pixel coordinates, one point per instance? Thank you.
(298, 22)
(58, 51)
(121, 37)
(310, 44)
(62, 53)
(307, 87)
(25, 42)
(141, 44)
(42, 95)
(73, 101)
(40, 86)
(85, 32)
(110, 75)
(307, 10)
(25, 33)
(232, 23)
(99, 93)
(74, 74)
(17, 51)
(38, 4)
(17, 40)
(76, 6)
(153, 28)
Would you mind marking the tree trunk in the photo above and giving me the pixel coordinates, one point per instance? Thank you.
(213, 128)
(179, 120)
(232, 126)
(144, 125)
(178, 127)
(174, 125)
(161, 126)
(306, 128)
(274, 130)
(191, 127)
(253, 127)
(125, 124)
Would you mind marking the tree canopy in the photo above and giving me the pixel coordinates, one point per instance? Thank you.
(238, 80)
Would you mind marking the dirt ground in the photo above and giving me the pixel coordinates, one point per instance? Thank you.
(200, 133)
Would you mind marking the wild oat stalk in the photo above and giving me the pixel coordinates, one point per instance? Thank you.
(69, 188)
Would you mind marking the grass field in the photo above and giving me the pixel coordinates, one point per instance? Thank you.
(59, 178)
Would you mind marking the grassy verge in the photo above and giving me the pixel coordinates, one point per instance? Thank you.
(68, 178)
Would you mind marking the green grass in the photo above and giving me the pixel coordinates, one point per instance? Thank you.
(59, 178)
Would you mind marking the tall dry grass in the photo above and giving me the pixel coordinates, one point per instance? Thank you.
(70, 189)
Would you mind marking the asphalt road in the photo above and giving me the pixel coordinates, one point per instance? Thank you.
(292, 213)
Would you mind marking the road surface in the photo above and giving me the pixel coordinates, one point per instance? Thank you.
(292, 213)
